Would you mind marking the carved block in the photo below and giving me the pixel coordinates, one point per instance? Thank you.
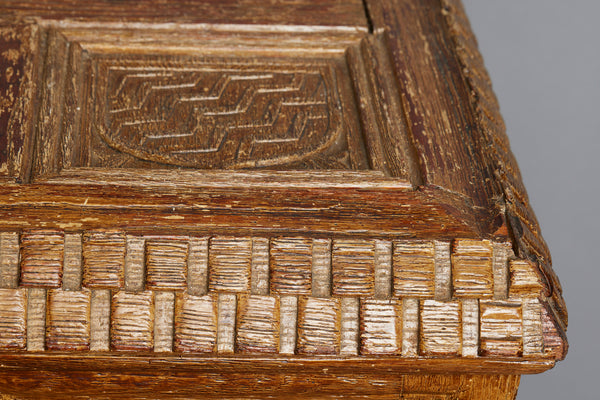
(258, 324)
(42, 258)
(68, 326)
(103, 259)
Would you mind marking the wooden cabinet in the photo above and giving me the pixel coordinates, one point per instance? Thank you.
(255, 199)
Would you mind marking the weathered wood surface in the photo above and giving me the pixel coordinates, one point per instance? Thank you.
(295, 196)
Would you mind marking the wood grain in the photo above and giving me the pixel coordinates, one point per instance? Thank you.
(327, 13)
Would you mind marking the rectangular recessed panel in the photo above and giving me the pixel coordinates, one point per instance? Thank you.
(260, 266)
(350, 325)
(68, 320)
(383, 269)
(318, 326)
(207, 112)
(9, 260)
(195, 323)
(414, 268)
(321, 267)
(103, 259)
(164, 310)
(353, 267)
(230, 261)
(380, 327)
(501, 328)
(500, 268)
(443, 271)
(291, 265)
(472, 274)
(258, 324)
(166, 263)
(36, 319)
(441, 331)
(410, 327)
(100, 320)
(42, 258)
(13, 319)
(197, 267)
(135, 268)
(470, 328)
(132, 321)
(227, 314)
(72, 268)
(288, 311)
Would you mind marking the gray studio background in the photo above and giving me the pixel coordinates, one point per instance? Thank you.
(544, 60)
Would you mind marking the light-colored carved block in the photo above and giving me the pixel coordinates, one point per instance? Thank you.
(166, 263)
(259, 279)
(195, 323)
(288, 311)
(68, 320)
(132, 321)
(164, 311)
(100, 320)
(13, 319)
(9, 260)
(472, 274)
(533, 342)
(72, 267)
(227, 310)
(383, 269)
(135, 269)
(501, 332)
(230, 261)
(380, 326)
(36, 319)
(500, 270)
(42, 258)
(410, 327)
(414, 268)
(197, 267)
(440, 325)
(258, 324)
(353, 267)
(470, 328)
(524, 279)
(443, 271)
(291, 265)
(321, 268)
(350, 309)
(103, 260)
(318, 325)
(554, 344)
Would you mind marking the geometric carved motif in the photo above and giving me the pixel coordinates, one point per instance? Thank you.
(204, 113)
